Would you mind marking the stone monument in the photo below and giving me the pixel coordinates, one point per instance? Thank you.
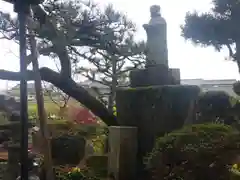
(157, 71)
(155, 103)
(156, 29)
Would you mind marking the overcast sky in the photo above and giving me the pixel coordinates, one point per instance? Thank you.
(194, 62)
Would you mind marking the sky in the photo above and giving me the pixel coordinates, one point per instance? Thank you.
(193, 61)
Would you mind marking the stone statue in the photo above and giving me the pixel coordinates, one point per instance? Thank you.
(156, 29)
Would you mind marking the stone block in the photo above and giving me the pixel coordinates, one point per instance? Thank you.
(122, 152)
(154, 76)
(176, 76)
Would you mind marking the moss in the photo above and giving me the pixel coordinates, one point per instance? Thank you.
(153, 100)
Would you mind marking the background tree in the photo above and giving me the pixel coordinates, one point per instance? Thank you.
(110, 67)
(62, 28)
(218, 28)
(56, 95)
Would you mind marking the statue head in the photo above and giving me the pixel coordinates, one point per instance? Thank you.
(155, 11)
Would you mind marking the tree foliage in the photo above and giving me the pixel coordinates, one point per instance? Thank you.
(81, 115)
(110, 67)
(218, 28)
(63, 29)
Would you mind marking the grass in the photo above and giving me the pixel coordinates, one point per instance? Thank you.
(49, 106)
(32, 109)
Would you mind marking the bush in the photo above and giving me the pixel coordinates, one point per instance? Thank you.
(68, 149)
(214, 106)
(195, 152)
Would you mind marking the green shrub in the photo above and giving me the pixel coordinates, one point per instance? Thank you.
(195, 152)
(68, 149)
(215, 106)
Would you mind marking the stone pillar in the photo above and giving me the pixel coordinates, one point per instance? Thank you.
(13, 162)
(122, 152)
(13, 148)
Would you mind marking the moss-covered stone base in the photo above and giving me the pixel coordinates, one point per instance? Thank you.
(154, 111)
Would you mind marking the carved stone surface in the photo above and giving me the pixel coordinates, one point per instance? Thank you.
(156, 29)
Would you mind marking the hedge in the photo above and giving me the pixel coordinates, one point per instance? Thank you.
(195, 152)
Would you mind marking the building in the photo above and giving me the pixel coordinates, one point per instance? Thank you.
(15, 92)
(225, 85)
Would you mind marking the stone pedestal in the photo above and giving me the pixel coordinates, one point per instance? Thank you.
(154, 75)
(122, 152)
(154, 111)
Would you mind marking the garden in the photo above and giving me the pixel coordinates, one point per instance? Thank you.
(182, 132)
(195, 152)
